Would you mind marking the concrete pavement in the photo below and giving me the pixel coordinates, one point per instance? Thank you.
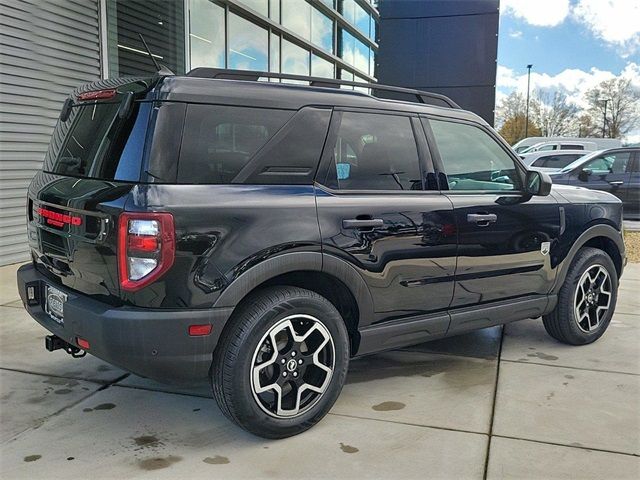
(496, 403)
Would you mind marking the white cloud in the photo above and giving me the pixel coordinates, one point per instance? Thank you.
(515, 34)
(615, 21)
(541, 13)
(572, 82)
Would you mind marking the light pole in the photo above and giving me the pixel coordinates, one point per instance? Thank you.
(526, 121)
(604, 117)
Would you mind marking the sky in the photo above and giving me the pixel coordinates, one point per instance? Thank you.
(572, 44)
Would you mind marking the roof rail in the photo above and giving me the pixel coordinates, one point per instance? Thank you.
(428, 98)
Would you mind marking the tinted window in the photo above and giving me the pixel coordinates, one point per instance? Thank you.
(375, 152)
(571, 147)
(555, 161)
(96, 143)
(472, 159)
(611, 163)
(219, 141)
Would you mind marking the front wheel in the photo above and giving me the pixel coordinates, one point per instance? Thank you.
(586, 301)
(281, 362)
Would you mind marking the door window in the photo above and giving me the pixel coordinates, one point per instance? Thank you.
(472, 159)
(547, 148)
(555, 161)
(567, 146)
(375, 152)
(610, 163)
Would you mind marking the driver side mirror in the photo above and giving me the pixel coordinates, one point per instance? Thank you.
(584, 174)
(538, 183)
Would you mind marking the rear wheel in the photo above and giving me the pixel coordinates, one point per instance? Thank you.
(281, 362)
(586, 301)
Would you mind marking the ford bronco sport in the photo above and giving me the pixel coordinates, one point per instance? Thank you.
(261, 234)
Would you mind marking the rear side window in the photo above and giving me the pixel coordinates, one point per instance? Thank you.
(609, 163)
(472, 159)
(375, 152)
(96, 143)
(571, 147)
(555, 161)
(219, 141)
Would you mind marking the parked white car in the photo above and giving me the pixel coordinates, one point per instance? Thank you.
(551, 161)
(561, 145)
(601, 143)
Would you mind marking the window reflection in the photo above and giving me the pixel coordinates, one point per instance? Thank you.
(295, 17)
(247, 44)
(295, 59)
(321, 30)
(321, 67)
(274, 50)
(274, 12)
(361, 19)
(346, 75)
(206, 38)
(354, 52)
(260, 6)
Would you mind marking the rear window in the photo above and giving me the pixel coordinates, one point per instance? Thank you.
(555, 161)
(96, 143)
(220, 140)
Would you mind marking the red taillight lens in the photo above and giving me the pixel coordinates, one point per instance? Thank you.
(143, 243)
(146, 248)
(96, 95)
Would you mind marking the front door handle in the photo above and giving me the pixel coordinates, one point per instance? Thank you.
(482, 219)
(616, 183)
(362, 223)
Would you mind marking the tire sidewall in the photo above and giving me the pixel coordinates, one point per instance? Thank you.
(246, 407)
(583, 264)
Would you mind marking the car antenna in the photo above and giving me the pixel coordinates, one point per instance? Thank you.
(160, 69)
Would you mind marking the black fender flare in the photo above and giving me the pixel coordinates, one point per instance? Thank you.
(295, 262)
(600, 230)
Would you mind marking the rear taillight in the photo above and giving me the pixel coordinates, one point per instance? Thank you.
(146, 248)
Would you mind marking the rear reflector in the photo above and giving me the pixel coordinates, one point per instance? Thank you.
(200, 330)
(96, 95)
(82, 343)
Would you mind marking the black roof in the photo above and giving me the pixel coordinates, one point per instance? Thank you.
(264, 94)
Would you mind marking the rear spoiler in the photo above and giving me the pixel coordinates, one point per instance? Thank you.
(109, 88)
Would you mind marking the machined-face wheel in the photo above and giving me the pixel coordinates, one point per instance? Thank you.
(592, 298)
(292, 366)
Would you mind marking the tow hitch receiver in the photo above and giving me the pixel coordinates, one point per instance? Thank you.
(52, 343)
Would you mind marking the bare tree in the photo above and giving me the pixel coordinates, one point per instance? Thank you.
(511, 107)
(622, 103)
(511, 118)
(552, 113)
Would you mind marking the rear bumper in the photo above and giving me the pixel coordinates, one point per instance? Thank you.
(151, 343)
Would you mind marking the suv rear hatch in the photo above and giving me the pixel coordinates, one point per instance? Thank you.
(93, 162)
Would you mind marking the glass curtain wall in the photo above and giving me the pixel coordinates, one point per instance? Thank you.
(306, 37)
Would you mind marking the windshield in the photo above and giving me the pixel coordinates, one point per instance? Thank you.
(96, 143)
(580, 161)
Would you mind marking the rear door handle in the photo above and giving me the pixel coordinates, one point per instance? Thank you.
(482, 219)
(362, 223)
(616, 183)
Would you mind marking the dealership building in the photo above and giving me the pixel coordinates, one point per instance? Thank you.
(48, 47)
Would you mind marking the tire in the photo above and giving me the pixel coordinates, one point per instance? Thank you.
(308, 365)
(591, 267)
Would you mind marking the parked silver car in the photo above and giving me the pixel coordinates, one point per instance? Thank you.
(551, 161)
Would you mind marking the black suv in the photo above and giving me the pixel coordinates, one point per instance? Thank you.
(261, 234)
